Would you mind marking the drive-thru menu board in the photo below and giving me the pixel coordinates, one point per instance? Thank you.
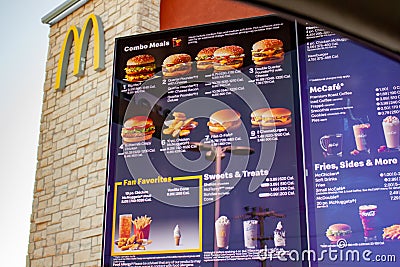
(220, 155)
(351, 111)
(203, 162)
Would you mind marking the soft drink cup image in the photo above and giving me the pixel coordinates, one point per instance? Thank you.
(125, 225)
(368, 219)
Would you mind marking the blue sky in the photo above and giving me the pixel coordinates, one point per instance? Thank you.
(24, 44)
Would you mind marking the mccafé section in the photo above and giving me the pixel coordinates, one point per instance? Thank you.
(176, 135)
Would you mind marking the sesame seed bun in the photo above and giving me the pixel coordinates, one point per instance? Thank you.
(230, 50)
(266, 44)
(228, 57)
(140, 60)
(205, 58)
(267, 51)
(177, 65)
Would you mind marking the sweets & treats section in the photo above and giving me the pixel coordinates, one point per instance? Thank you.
(243, 143)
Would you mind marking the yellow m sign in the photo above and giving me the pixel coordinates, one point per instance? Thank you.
(81, 39)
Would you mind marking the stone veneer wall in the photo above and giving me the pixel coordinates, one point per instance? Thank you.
(67, 216)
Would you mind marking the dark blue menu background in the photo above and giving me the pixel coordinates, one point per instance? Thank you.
(363, 71)
(286, 159)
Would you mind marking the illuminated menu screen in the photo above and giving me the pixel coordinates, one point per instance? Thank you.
(221, 154)
(351, 111)
(203, 157)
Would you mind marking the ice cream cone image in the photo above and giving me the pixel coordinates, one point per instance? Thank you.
(177, 235)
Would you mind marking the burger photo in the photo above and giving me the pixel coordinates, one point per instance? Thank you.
(205, 58)
(177, 65)
(140, 68)
(338, 231)
(224, 120)
(275, 117)
(267, 51)
(136, 129)
(256, 116)
(228, 57)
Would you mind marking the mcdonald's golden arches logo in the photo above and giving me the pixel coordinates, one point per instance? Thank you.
(81, 39)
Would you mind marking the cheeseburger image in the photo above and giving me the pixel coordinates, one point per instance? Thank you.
(338, 231)
(177, 65)
(256, 116)
(224, 120)
(205, 58)
(140, 68)
(267, 51)
(270, 117)
(138, 128)
(228, 57)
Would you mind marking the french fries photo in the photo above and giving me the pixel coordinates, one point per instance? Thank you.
(392, 232)
(180, 125)
(140, 239)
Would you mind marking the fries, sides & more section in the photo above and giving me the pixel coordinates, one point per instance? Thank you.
(217, 130)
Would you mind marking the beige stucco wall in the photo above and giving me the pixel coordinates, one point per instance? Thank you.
(67, 215)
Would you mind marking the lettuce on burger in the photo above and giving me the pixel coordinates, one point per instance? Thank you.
(228, 57)
(138, 128)
(140, 68)
(338, 231)
(205, 58)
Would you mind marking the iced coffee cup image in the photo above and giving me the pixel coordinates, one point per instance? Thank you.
(368, 216)
(391, 130)
(361, 132)
(222, 230)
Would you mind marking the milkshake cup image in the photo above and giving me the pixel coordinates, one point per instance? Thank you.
(222, 229)
(250, 233)
(369, 221)
(177, 235)
(391, 129)
(361, 135)
(279, 236)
